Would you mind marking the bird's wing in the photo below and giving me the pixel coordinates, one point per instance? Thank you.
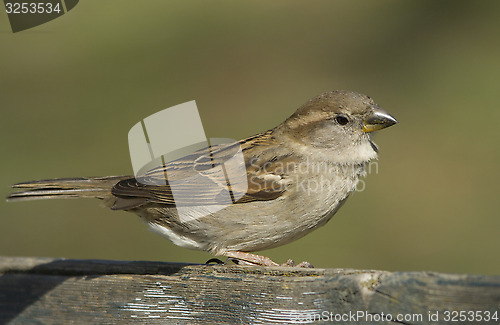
(206, 177)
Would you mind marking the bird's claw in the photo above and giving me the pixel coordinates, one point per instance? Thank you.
(214, 261)
(243, 258)
(291, 263)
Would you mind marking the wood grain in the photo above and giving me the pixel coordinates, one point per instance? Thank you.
(61, 291)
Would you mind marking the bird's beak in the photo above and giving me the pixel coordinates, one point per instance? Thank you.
(378, 120)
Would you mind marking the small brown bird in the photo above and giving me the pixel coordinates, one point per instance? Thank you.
(298, 175)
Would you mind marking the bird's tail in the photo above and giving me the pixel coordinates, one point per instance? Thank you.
(66, 188)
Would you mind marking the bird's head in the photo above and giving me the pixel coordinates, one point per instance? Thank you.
(337, 124)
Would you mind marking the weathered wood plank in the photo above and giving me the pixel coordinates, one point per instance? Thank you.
(59, 291)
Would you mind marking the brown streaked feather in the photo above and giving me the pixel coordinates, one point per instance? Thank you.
(65, 188)
(197, 182)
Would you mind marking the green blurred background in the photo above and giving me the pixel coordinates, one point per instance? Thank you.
(72, 88)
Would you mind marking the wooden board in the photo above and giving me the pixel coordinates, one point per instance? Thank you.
(60, 291)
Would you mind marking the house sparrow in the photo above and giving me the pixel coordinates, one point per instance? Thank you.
(298, 175)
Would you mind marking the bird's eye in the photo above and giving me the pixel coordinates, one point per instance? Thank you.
(342, 119)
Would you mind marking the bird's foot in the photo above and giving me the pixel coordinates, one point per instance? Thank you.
(250, 259)
(242, 258)
(214, 261)
(291, 263)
